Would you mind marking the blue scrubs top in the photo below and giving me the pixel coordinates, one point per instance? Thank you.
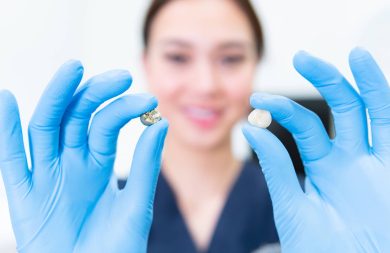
(245, 224)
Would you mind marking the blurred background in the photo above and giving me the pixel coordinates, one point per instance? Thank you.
(38, 36)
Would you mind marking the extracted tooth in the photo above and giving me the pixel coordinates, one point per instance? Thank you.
(260, 118)
(151, 117)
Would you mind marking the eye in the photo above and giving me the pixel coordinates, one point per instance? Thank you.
(177, 58)
(232, 59)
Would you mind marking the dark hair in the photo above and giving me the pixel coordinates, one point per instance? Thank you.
(245, 6)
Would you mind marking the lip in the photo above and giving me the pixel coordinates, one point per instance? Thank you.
(202, 116)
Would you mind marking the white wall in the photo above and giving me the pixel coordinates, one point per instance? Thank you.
(37, 36)
(329, 29)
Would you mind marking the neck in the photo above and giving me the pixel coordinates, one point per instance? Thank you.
(201, 180)
(192, 170)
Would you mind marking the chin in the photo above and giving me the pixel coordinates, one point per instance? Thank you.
(206, 140)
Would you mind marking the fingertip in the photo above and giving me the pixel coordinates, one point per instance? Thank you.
(71, 72)
(160, 128)
(145, 102)
(302, 54)
(256, 98)
(251, 133)
(164, 123)
(258, 136)
(112, 82)
(161, 124)
(303, 61)
(121, 74)
(359, 55)
(149, 97)
(247, 130)
(7, 102)
(152, 100)
(358, 51)
(74, 65)
(165, 127)
(6, 96)
(126, 76)
(265, 100)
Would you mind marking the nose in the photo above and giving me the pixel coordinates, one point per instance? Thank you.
(205, 80)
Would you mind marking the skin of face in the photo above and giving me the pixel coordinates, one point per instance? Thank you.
(200, 64)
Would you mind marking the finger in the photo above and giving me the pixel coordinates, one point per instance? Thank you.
(138, 194)
(375, 91)
(347, 107)
(13, 162)
(97, 90)
(305, 126)
(277, 167)
(107, 123)
(44, 127)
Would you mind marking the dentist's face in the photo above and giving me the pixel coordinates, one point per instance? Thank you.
(200, 64)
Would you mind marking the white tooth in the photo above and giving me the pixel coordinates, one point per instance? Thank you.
(198, 112)
(260, 118)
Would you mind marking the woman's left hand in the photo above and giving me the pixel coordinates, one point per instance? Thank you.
(346, 203)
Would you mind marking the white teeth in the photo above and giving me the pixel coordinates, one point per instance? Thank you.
(201, 113)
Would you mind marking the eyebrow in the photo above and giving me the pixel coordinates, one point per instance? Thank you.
(176, 42)
(235, 44)
(224, 45)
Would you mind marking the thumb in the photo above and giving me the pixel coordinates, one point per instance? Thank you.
(141, 184)
(277, 167)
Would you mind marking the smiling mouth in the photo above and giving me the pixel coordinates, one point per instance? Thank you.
(203, 117)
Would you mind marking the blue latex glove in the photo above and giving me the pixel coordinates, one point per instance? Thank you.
(346, 203)
(66, 203)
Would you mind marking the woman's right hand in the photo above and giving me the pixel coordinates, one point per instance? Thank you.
(66, 202)
(346, 203)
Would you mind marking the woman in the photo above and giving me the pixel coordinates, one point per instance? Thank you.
(200, 60)
(202, 75)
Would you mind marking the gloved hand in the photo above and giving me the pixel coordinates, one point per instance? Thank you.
(66, 202)
(346, 203)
